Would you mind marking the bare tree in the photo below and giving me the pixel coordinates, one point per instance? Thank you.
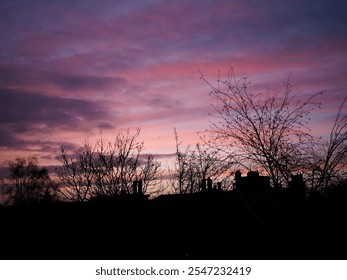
(178, 177)
(327, 162)
(107, 168)
(150, 173)
(268, 130)
(194, 165)
(4, 197)
(27, 182)
(75, 174)
(211, 163)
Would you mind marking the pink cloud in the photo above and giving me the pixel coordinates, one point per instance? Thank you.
(138, 65)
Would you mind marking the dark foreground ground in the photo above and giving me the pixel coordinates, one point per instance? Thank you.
(210, 225)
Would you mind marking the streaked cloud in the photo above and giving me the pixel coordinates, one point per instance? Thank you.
(69, 69)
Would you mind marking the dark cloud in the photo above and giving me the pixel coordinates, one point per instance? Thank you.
(4, 172)
(33, 109)
(105, 125)
(6, 138)
(75, 82)
(162, 101)
(22, 113)
(36, 75)
(164, 156)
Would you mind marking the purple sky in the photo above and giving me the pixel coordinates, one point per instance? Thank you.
(70, 69)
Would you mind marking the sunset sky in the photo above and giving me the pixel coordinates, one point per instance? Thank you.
(70, 69)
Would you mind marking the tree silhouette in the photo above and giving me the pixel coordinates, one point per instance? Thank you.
(327, 159)
(107, 168)
(27, 182)
(268, 130)
(193, 165)
(74, 174)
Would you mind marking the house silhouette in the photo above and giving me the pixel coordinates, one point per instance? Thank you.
(253, 182)
(252, 221)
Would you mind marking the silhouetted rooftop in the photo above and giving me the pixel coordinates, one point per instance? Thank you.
(207, 225)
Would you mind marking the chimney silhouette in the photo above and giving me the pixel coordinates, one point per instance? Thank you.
(209, 184)
(139, 187)
(134, 187)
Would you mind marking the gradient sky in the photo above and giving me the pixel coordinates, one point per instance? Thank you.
(70, 69)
